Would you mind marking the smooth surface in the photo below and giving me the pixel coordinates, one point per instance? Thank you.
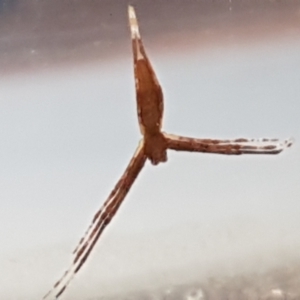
(67, 136)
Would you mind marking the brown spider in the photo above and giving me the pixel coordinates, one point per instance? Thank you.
(153, 146)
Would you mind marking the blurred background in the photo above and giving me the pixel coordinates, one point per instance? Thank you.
(201, 226)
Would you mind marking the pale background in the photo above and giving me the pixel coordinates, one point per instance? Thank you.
(68, 128)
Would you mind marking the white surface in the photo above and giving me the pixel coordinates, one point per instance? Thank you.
(67, 136)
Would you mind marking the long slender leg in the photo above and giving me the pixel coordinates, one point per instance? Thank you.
(101, 220)
(228, 147)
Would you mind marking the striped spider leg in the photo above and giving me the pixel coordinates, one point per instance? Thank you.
(153, 146)
(101, 219)
(228, 147)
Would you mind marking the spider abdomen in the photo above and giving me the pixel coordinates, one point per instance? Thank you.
(149, 98)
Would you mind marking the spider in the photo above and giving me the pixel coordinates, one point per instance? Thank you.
(153, 146)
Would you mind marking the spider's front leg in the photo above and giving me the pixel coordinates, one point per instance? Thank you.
(227, 147)
(101, 219)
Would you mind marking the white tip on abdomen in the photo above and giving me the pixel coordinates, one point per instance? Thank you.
(133, 23)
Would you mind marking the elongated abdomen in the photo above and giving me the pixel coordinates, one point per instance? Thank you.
(149, 99)
(148, 90)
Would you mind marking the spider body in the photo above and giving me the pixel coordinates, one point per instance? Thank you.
(149, 96)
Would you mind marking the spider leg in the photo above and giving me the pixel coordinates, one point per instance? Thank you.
(227, 147)
(101, 219)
